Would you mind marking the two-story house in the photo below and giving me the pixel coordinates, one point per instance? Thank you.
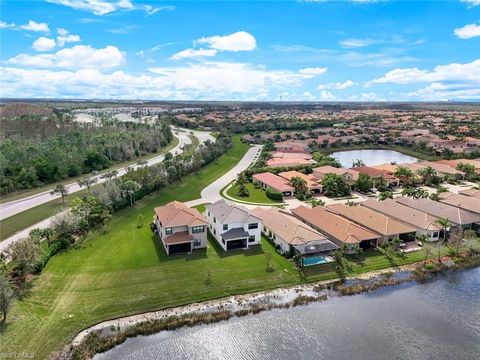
(233, 226)
(180, 228)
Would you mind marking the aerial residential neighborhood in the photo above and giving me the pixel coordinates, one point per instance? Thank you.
(239, 180)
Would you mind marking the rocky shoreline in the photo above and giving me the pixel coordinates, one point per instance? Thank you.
(106, 335)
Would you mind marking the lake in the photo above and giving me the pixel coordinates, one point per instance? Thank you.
(372, 157)
(438, 319)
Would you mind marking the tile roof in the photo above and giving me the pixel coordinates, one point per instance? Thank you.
(226, 213)
(274, 181)
(235, 233)
(441, 210)
(178, 238)
(380, 223)
(327, 169)
(177, 213)
(471, 192)
(290, 229)
(334, 225)
(311, 181)
(278, 162)
(414, 217)
(469, 203)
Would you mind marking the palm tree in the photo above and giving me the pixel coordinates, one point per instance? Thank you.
(429, 175)
(404, 174)
(61, 190)
(88, 182)
(445, 224)
(130, 188)
(300, 186)
(358, 163)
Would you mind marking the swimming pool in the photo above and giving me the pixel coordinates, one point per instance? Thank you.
(315, 260)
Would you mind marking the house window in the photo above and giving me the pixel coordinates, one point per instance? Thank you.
(225, 226)
(223, 241)
(198, 229)
(168, 231)
(251, 238)
(214, 219)
(435, 234)
(209, 213)
(214, 231)
(197, 242)
(252, 226)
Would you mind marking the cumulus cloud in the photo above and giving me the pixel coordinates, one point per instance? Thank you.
(43, 44)
(77, 57)
(326, 95)
(338, 85)
(193, 53)
(97, 7)
(4, 25)
(65, 37)
(205, 80)
(471, 2)
(468, 31)
(443, 92)
(469, 72)
(239, 41)
(313, 71)
(34, 26)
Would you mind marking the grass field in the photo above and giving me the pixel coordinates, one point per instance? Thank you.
(255, 195)
(25, 219)
(125, 271)
(29, 192)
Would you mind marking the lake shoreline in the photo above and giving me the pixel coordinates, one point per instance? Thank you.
(111, 333)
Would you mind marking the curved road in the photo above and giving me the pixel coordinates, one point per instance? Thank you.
(17, 206)
(20, 205)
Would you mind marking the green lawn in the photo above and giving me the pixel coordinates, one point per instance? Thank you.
(25, 219)
(29, 192)
(255, 195)
(125, 271)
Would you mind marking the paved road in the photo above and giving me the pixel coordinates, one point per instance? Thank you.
(211, 193)
(38, 199)
(17, 206)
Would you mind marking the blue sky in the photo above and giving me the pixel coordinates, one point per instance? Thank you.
(354, 50)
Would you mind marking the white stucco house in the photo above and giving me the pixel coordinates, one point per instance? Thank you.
(233, 226)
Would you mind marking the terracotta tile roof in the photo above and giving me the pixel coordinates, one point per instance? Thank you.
(291, 155)
(372, 220)
(469, 203)
(441, 210)
(290, 229)
(327, 169)
(334, 225)
(386, 167)
(441, 168)
(311, 182)
(471, 192)
(178, 238)
(417, 218)
(177, 213)
(373, 172)
(276, 182)
(278, 162)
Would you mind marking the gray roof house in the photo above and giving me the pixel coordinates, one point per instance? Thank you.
(233, 226)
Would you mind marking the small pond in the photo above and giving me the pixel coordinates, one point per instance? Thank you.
(372, 157)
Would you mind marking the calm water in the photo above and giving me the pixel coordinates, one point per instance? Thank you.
(437, 320)
(372, 157)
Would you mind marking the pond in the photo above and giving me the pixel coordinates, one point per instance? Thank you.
(438, 319)
(372, 157)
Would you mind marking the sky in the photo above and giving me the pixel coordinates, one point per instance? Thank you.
(313, 50)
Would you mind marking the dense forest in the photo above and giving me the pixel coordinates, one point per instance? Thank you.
(38, 149)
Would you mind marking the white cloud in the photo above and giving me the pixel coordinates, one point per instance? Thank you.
(4, 25)
(97, 7)
(43, 44)
(65, 37)
(207, 81)
(150, 10)
(34, 26)
(471, 2)
(308, 96)
(339, 85)
(443, 92)
(77, 57)
(239, 41)
(193, 53)
(356, 43)
(326, 95)
(468, 31)
(313, 71)
(469, 72)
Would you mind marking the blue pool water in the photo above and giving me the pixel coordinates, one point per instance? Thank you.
(314, 260)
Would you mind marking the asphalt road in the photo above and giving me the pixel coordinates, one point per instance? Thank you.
(17, 206)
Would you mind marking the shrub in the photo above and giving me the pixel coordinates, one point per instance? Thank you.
(274, 194)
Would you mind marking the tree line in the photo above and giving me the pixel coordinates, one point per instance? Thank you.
(38, 151)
